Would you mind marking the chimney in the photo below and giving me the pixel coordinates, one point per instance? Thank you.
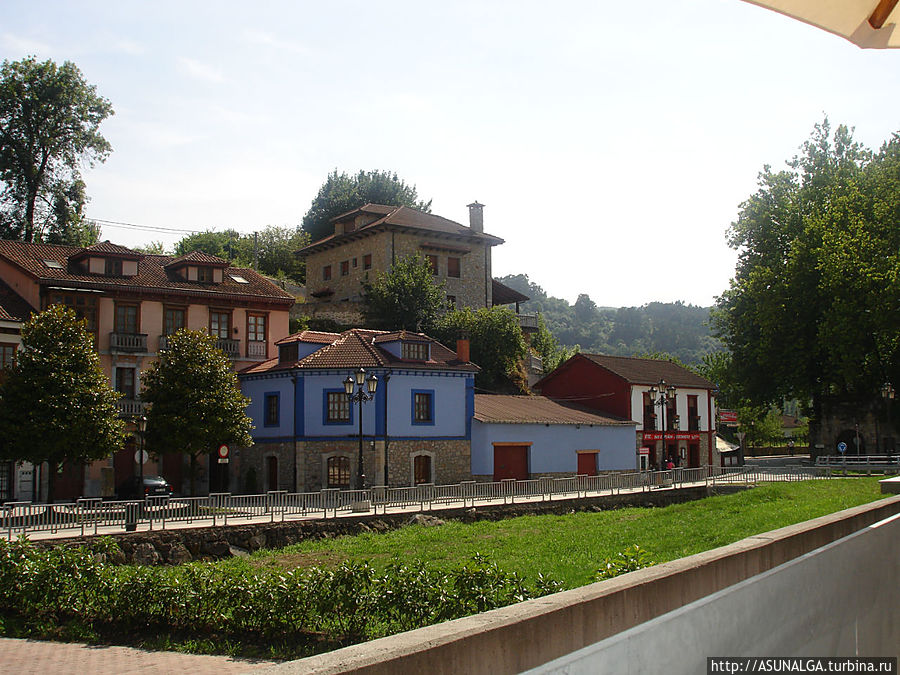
(476, 217)
(462, 350)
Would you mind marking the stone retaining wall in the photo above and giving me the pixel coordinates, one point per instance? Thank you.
(174, 547)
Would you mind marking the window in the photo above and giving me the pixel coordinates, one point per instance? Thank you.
(338, 472)
(414, 351)
(127, 319)
(173, 320)
(271, 410)
(125, 382)
(85, 308)
(671, 414)
(345, 268)
(433, 261)
(256, 327)
(649, 413)
(7, 355)
(453, 267)
(367, 261)
(326, 273)
(219, 324)
(52, 264)
(337, 407)
(239, 279)
(693, 414)
(112, 267)
(288, 352)
(204, 275)
(423, 407)
(421, 469)
(355, 263)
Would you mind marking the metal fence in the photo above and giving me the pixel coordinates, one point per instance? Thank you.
(99, 516)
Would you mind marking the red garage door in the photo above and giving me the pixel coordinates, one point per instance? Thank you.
(587, 463)
(510, 461)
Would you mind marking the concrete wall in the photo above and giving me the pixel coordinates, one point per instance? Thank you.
(530, 634)
(555, 447)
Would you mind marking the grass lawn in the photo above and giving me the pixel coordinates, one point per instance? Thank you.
(570, 548)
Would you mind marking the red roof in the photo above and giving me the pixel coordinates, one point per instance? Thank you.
(107, 248)
(152, 275)
(13, 307)
(641, 371)
(358, 348)
(389, 217)
(503, 409)
(198, 257)
(314, 336)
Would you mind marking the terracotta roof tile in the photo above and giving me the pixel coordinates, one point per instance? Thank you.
(649, 371)
(152, 275)
(109, 248)
(197, 257)
(503, 409)
(357, 348)
(314, 336)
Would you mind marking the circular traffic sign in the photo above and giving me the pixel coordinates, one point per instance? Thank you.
(223, 451)
(842, 447)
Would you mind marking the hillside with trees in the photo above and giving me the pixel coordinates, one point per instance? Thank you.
(675, 329)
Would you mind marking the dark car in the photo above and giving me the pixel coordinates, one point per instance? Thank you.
(154, 486)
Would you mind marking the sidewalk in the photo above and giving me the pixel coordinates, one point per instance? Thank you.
(33, 657)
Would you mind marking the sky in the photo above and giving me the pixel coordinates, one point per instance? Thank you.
(611, 142)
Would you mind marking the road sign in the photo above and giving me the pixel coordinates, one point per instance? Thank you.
(842, 447)
(141, 456)
(223, 451)
(728, 417)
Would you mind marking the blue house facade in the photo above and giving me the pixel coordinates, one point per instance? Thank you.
(416, 425)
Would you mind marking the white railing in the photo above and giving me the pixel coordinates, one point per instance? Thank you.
(859, 461)
(257, 350)
(128, 342)
(99, 516)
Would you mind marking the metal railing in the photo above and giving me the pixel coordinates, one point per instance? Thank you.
(127, 342)
(257, 349)
(98, 516)
(858, 460)
(232, 348)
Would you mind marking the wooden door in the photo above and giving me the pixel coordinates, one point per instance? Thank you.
(587, 463)
(694, 455)
(272, 473)
(510, 461)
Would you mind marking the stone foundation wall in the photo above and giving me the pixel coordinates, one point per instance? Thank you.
(254, 473)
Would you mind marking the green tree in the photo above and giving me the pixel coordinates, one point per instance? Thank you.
(277, 252)
(341, 193)
(497, 345)
(547, 347)
(56, 404)
(49, 121)
(69, 225)
(404, 297)
(813, 311)
(195, 402)
(227, 245)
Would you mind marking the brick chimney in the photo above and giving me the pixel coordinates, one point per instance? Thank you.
(476, 217)
(462, 350)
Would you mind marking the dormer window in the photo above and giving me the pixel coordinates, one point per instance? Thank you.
(414, 351)
(205, 275)
(112, 267)
(288, 353)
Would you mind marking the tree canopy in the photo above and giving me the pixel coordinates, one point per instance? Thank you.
(812, 312)
(49, 125)
(56, 404)
(404, 297)
(195, 402)
(342, 192)
(497, 345)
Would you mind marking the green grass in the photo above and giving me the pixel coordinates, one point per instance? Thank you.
(570, 548)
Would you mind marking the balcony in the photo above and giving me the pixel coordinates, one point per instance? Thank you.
(528, 322)
(232, 348)
(127, 342)
(163, 342)
(130, 407)
(257, 350)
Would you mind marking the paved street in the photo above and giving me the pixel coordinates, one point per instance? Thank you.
(32, 657)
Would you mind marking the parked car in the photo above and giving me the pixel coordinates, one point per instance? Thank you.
(154, 486)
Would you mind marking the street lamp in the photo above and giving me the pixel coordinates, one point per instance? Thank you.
(366, 392)
(887, 393)
(660, 395)
(140, 424)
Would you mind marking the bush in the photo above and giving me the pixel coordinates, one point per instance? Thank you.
(631, 559)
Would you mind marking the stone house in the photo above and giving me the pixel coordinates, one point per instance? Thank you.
(415, 429)
(131, 302)
(368, 240)
(681, 427)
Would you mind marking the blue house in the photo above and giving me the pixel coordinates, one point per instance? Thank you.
(414, 419)
(525, 437)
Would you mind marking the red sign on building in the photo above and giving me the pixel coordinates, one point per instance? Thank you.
(671, 436)
(729, 417)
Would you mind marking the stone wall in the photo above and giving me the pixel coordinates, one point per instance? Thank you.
(173, 547)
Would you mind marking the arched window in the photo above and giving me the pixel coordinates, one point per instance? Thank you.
(338, 472)
(422, 469)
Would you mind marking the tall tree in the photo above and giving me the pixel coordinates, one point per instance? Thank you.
(497, 345)
(195, 402)
(49, 125)
(404, 297)
(341, 193)
(56, 404)
(813, 311)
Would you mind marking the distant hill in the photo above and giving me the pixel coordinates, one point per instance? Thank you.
(676, 329)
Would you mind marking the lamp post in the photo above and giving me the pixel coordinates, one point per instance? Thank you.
(365, 392)
(887, 393)
(660, 395)
(140, 424)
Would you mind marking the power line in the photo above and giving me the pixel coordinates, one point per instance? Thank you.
(146, 228)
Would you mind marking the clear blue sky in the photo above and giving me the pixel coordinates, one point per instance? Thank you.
(612, 148)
